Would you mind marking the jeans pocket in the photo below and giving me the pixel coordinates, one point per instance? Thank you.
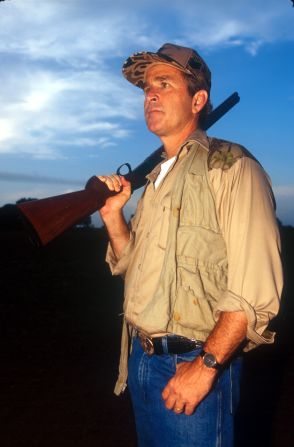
(187, 356)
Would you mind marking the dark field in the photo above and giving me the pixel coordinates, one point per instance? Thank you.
(60, 344)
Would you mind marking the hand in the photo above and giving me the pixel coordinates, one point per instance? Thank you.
(119, 184)
(188, 387)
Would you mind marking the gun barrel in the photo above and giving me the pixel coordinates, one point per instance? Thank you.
(221, 110)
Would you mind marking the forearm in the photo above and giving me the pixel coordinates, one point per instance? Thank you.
(118, 231)
(112, 212)
(248, 224)
(193, 380)
(227, 335)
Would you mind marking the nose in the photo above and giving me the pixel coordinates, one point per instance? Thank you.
(151, 94)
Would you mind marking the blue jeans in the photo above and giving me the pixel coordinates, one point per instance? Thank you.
(211, 425)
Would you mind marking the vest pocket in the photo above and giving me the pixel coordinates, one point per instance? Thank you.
(192, 309)
(198, 208)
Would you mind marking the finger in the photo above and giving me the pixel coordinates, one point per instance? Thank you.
(179, 407)
(170, 402)
(116, 181)
(114, 177)
(165, 393)
(113, 182)
(189, 409)
(124, 182)
(109, 183)
(178, 410)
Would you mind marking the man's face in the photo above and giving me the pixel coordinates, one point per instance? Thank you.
(168, 107)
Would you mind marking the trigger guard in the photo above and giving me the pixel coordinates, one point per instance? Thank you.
(118, 171)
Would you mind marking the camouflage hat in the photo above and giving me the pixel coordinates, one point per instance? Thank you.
(185, 59)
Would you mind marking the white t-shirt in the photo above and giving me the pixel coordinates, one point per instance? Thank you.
(163, 170)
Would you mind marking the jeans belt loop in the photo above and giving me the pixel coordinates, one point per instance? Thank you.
(147, 343)
(164, 345)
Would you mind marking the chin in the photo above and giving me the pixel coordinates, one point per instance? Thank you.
(154, 127)
(157, 131)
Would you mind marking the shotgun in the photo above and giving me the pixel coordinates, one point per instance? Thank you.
(45, 219)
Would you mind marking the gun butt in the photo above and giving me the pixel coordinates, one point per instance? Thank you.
(45, 219)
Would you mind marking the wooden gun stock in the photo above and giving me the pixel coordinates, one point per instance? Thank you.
(48, 218)
(45, 219)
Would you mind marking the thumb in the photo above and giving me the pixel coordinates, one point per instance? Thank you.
(125, 183)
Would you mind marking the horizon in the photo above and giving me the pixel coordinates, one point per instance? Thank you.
(67, 113)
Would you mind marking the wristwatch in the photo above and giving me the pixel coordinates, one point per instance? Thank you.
(209, 360)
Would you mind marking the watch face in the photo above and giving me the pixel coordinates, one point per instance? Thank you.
(209, 360)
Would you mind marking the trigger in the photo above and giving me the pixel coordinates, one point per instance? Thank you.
(124, 169)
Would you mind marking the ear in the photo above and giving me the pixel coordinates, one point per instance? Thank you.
(199, 100)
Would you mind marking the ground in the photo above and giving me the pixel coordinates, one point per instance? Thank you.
(60, 320)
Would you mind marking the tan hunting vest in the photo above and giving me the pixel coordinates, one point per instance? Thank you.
(195, 262)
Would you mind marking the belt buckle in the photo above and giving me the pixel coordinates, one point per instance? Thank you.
(147, 344)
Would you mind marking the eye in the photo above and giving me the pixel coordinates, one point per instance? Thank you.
(165, 84)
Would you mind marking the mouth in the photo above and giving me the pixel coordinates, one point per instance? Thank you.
(154, 110)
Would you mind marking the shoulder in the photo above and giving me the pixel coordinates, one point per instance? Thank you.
(224, 154)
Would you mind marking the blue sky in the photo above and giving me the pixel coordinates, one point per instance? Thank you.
(67, 113)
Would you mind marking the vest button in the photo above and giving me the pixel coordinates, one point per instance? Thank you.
(177, 316)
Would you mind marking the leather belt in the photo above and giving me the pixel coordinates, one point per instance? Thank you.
(168, 344)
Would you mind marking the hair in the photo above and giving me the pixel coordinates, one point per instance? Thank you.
(194, 85)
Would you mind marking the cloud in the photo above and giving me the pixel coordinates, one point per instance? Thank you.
(20, 177)
(60, 88)
(51, 110)
(250, 23)
(90, 32)
(72, 32)
(61, 62)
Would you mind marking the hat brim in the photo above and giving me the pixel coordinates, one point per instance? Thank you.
(134, 68)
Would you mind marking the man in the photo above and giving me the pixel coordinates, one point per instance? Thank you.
(200, 260)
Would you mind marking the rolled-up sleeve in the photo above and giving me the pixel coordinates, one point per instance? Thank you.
(118, 266)
(246, 212)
